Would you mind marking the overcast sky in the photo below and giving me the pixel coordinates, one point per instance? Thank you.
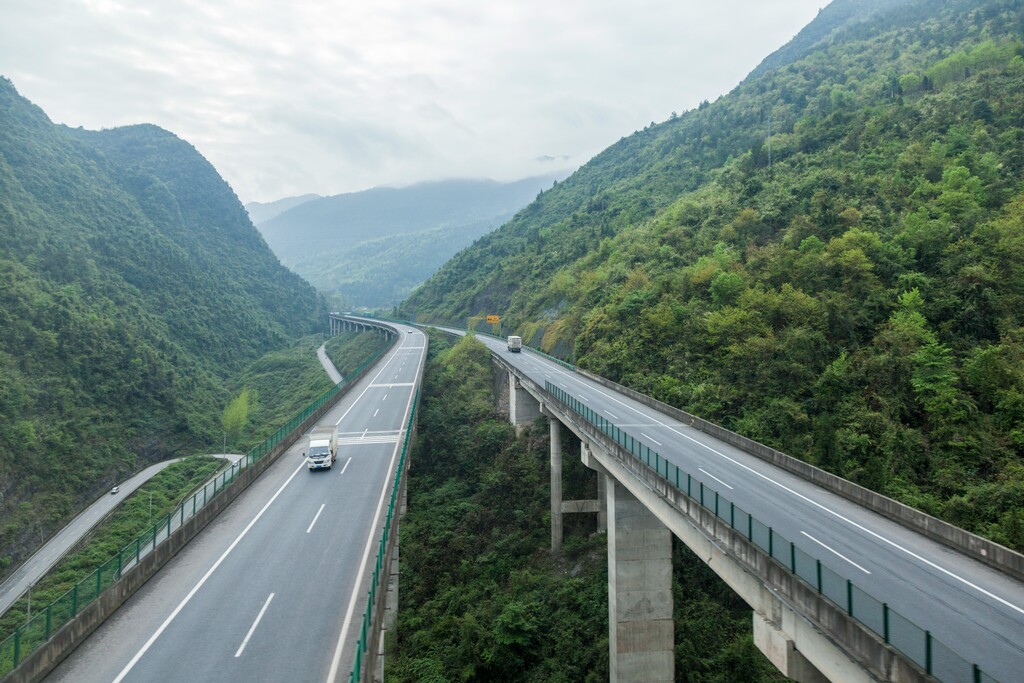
(286, 97)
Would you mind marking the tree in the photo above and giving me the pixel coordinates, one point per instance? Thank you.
(236, 414)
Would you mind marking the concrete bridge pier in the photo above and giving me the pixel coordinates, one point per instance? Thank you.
(523, 407)
(640, 619)
(556, 482)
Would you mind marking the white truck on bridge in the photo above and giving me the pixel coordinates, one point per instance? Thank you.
(323, 448)
(515, 344)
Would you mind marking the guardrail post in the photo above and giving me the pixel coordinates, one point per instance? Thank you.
(17, 645)
(849, 597)
(977, 673)
(928, 652)
(819, 575)
(138, 548)
(74, 600)
(49, 619)
(118, 574)
(99, 580)
(771, 542)
(792, 557)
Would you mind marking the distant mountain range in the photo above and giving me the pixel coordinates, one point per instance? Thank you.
(260, 212)
(372, 248)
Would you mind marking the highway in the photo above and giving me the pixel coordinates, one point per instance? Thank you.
(274, 589)
(974, 609)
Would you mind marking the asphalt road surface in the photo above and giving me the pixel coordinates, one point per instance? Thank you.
(274, 589)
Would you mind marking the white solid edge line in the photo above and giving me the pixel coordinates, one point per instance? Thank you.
(649, 438)
(816, 504)
(835, 552)
(252, 629)
(207, 575)
(715, 478)
(346, 465)
(336, 659)
(315, 517)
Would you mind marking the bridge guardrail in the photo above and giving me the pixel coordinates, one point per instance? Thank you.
(47, 621)
(917, 644)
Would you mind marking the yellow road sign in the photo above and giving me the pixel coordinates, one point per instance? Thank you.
(493, 319)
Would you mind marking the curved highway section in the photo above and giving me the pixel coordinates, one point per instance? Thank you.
(972, 608)
(273, 589)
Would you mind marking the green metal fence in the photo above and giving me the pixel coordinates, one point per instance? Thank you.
(915, 643)
(46, 621)
(379, 565)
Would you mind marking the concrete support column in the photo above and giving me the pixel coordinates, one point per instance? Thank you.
(602, 499)
(523, 408)
(556, 483)
(641, 631)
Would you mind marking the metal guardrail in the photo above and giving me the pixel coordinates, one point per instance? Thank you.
(44, 623)
(382, 552)
(915, 643)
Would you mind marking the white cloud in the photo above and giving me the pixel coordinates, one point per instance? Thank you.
(326, 97)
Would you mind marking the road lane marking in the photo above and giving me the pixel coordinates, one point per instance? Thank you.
(346, 465)
(315, 517)
(822, 507)
(615, 417)
(715, 478)
(345, 414)
(347, 623)
(209, 572)
(375, 415)
(649, 438)
(584, 398)
(835, 552)
(385, 397)
(252, 629)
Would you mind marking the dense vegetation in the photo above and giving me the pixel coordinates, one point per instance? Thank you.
(829, 259)
(482, 597)
(149, 503)
(372, 248)
(133, 290)
(350, 350)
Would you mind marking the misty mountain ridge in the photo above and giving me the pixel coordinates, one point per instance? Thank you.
(261, 212)
(371, 248)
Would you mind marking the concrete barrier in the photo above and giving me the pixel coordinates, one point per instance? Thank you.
(42, 661)
(972, 545)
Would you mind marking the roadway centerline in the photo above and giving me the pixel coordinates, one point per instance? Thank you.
(346, 465)
(315, 517)
(715, 478)
(835, 552)
(252, 629)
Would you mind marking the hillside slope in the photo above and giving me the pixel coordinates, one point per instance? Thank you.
(132, 285)
(828, 259)
(372, 248)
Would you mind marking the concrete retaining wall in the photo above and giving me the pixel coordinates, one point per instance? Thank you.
(41, 662)
(981, 549)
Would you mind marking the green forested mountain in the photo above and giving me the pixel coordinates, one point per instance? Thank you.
(829, 259)
(132, 287)
(372, 248)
